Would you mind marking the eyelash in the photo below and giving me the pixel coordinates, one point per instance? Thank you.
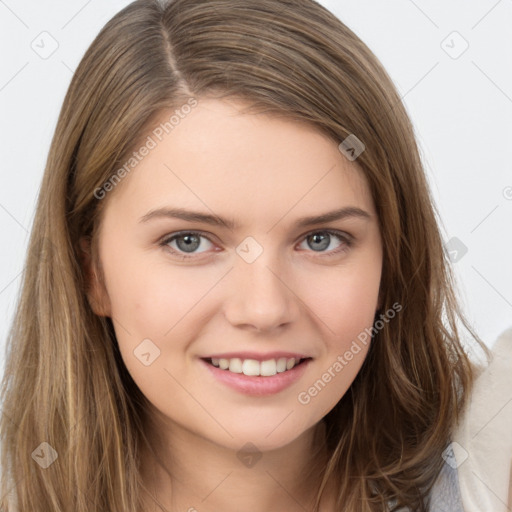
(347, 242)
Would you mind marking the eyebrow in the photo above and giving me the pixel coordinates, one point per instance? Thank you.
(214, 220)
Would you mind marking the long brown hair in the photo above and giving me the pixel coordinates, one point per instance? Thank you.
(65, 383)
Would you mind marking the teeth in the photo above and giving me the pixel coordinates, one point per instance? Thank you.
(281, 365)
(252, 367)
(235, 365)
(268, 368)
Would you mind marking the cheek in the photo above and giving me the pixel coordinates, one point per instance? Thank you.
(153, 310)
(346, 300)
(150, 299)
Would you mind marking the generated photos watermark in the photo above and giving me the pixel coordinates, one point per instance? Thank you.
(305, 397)
(151, 142)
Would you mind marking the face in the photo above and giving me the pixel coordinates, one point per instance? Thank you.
(251, 281)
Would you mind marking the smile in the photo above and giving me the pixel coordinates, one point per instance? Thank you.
(256, 378)
(252, 367)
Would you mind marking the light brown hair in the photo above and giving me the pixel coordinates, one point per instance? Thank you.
(65, 382)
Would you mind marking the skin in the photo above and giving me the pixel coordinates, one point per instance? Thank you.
(264, 173)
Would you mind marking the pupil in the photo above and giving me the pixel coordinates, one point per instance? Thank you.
(321, 238)
(190, 240)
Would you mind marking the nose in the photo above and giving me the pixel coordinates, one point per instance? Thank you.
(260, 298)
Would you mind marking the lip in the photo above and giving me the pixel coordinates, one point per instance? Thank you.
(257, 385)
(256, 356)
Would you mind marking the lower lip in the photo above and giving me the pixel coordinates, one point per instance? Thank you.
(258, 385)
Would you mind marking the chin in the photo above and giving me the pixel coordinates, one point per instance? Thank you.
(263, 435)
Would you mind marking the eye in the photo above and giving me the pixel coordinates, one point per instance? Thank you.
(187, 242)
(321, 240)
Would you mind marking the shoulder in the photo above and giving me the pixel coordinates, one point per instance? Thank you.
(482, 441)
(445, 494)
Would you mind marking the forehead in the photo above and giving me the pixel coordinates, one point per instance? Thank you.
(245, 165)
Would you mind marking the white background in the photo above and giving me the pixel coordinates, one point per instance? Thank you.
(461, 109)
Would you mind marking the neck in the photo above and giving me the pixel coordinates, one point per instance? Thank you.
(185, 472)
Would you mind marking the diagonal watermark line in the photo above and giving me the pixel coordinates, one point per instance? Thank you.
(301, 198)
(492, 81)
(198, 402)
(90, 501)
(503, 297)
(407, 92)
(10, 282)
(301, 300)
(165, 165)
(425, 14)
(14, 14)
(485, 15)
(19, 274)
(155, 499)
(217, 486)
(173, 478)
(285, 490)
(29, 438)
(501, 408)
(491, 490)
(84, 81)
(280, 423)
(2, 498)
(15, 75)
(86, 414)
(3, 413)
(14, 218)
(488, 215)
(420, 80)
(77, 13)
(114, 319)
(207, 292)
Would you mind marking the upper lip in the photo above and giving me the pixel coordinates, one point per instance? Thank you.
(256, 356)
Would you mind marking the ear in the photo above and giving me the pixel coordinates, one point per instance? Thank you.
(379, 301)
(95, 289)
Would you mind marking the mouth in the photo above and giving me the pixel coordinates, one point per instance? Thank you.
(255, 368)
(257, 375)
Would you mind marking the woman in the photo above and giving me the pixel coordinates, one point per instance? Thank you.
(245, 367)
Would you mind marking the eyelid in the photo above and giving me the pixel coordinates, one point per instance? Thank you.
(346, 238)
(331, 231)
(164, 241)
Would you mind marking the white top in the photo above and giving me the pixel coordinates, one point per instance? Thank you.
(482, 442)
